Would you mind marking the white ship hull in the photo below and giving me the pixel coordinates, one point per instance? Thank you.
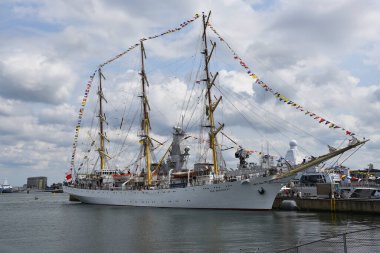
(242, 195)
(6, 189)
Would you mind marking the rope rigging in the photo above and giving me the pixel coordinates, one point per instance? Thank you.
(277, 94)
(197, 106)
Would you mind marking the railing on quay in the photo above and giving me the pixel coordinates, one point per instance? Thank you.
(363, 241)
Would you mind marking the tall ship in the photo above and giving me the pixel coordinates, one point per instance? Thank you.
(185, 175)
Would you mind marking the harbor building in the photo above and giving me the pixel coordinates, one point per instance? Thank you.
(38, 183)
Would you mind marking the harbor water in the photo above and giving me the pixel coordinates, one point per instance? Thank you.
(46, 222)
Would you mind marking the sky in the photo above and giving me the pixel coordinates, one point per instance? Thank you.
(324, 55)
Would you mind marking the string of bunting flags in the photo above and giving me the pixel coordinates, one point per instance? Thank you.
(278, 95)
(182, 25)
(89, 84)
(77, 127)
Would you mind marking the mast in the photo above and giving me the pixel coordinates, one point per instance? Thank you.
(145, 125)
(101, 150)
(211, 105)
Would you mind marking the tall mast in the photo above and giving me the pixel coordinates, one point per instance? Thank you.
(211, 105)
(101, 150)
(145, 125)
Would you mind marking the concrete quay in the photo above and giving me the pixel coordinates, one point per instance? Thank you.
(330, 205)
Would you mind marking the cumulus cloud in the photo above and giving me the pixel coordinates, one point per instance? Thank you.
(322, 55)
(236, 81)
(35, 78)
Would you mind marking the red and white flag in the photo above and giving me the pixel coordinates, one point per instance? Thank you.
(68, 175)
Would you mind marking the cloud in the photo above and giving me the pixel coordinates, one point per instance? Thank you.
(236, 81)
(322, 55)
(35, 78)
(62, 114)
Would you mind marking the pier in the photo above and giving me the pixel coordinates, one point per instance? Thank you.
(335, 205)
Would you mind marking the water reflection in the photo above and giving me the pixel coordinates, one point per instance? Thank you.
(51, 223)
